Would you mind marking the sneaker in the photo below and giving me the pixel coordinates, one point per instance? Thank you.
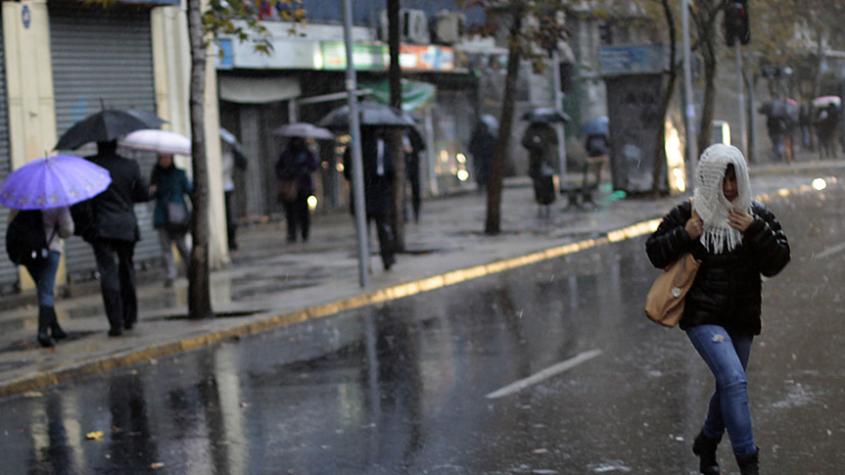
(115, 331)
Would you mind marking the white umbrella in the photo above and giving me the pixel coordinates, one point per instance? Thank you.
(304, 130)
(825, 101)
(158, 141)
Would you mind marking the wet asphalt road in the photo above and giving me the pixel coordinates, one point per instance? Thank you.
(401, 388)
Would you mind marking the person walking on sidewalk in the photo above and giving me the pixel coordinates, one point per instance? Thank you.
(378, 188)
(38, 247)
(412, 149)
(113, 233)
(293, 170)
(482, 146)
(169, 186)
(736, 240)
(231, 159)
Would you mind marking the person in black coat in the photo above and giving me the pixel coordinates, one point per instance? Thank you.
(737, 241)
(482, 146)
(412, 147)
(294, 168)
(113, 233)
(378, 187)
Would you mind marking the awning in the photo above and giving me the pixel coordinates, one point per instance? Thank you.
(252, 90)
(415, 94)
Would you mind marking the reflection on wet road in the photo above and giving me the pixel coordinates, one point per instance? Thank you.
(401, 388)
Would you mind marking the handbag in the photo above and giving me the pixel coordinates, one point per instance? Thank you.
(665, 301)
(178, 217)
(288, 191)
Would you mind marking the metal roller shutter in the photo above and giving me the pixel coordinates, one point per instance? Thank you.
(8, 271)
(103, 56)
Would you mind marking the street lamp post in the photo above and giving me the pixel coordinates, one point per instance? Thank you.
(355, 143)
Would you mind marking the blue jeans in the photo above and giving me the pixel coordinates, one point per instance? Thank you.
(44, 275)
(727, 357)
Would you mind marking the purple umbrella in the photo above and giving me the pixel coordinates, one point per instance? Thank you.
(53, 182)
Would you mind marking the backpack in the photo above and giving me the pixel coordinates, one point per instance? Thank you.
(83, 220)
(26, 242)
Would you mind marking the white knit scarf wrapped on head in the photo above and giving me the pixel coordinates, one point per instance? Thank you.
(709, 199)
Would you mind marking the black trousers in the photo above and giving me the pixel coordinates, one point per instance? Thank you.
(298, 217)
(384, 230)
(117, 281)
(231, 220)
(416, 194)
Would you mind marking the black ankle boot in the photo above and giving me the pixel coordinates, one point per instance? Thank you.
(749, 464)
(55, 329)
(705, 448)
(43, 336)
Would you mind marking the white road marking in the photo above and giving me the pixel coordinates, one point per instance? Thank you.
(544, 374)
(830, 251)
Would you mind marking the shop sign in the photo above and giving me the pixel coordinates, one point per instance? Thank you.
(225, 54)
(426, 58)
(633, 59)
(365, 56)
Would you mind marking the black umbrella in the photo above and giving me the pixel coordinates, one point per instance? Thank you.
(372, 114)
(545, 114)
(153, 121)
(104, 126)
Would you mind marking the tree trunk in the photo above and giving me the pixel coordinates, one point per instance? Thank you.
(395, 81)
(493, 224)
(199, 291)
(660, 155)
(707, 38)
(705, 129)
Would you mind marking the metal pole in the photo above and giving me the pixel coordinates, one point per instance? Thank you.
(355, 143)
(561, 132)
(743, 134)
(751, 153)
(692, 147)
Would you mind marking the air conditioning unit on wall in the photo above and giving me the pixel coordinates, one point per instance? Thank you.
(413, 26)
(448, 27)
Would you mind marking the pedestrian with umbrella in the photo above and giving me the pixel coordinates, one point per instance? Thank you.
(294, 168)
(171, 189)
(40, 194)
(828, 110)
(482, 146)
(378, 187)
(233, 157)
(540, 139)
(376, 120)
(108, 221)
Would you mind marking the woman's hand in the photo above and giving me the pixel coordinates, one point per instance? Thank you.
(740, 220)
(694, 227)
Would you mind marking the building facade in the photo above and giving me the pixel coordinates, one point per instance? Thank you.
(64, 60)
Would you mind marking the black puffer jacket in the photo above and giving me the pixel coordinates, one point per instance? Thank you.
(727, 288)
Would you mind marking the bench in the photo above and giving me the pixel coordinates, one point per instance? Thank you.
(579, 188)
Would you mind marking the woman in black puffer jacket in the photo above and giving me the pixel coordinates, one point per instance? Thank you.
(736, 240)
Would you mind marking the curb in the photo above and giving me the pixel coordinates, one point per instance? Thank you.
(365, 299)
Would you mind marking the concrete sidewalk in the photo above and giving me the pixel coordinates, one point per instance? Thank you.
(272, 284)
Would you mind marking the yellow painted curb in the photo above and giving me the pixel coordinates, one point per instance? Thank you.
(395, 292)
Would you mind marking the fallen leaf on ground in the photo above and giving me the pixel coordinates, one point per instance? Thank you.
(156, 466)
(96, 435)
